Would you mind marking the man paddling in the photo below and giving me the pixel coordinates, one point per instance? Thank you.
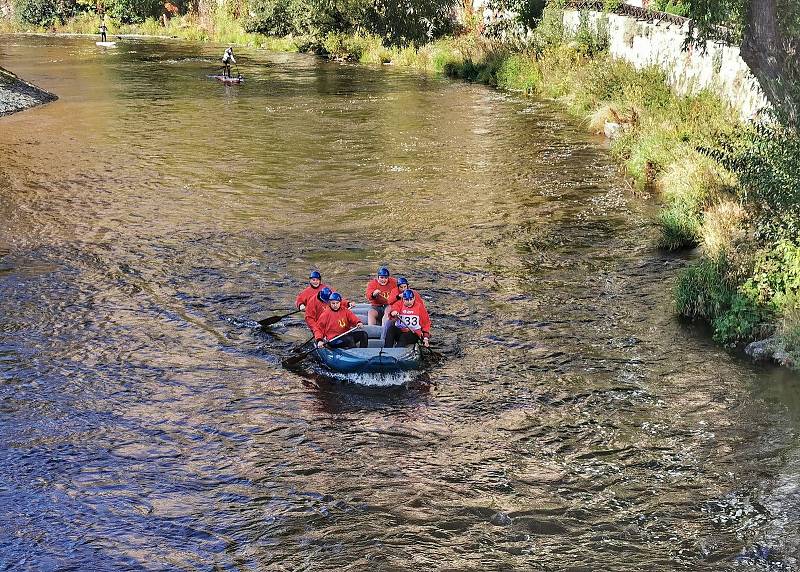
(336, 320)
(103, 30)
(314, 286)
(412, 322)
(318, 304)
(378, 291)
(227, 60)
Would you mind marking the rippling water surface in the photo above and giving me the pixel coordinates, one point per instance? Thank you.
(151, 214)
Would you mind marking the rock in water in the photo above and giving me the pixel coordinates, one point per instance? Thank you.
(500, 519)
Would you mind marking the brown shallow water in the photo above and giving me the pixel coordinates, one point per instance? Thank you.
(151, 214)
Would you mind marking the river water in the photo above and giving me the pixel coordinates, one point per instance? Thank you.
(151, 214)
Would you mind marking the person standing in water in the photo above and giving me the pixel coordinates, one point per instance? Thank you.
(227, 60)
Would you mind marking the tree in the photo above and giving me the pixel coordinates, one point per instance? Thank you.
(770, 44)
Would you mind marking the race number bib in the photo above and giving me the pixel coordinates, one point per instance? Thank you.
(410, 321)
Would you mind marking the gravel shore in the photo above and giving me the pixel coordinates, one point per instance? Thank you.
(16, 94)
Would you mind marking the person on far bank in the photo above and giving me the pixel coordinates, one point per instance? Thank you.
(314, 286)
(103, 30)
(412, 322)
(227, 60)
(336, 320)
(378, 291)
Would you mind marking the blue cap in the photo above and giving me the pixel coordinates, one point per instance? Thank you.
(325, 294)
(408, 294)
(315, 274)
(383, 271)
(402, 280)
(336, 297)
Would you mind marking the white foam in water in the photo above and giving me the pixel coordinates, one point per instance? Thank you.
(375, 379)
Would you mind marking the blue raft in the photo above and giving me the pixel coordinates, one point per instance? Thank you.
(370, 360)
(375, 358)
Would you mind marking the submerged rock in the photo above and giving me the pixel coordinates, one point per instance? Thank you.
(16, 94)
(500, 519)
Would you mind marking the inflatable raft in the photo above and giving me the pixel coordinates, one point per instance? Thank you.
(375, 358)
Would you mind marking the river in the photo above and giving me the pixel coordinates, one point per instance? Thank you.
(151, 214)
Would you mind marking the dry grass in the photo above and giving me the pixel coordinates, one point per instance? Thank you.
(723, 226)
(605, 113)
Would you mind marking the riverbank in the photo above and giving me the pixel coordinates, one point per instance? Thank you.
(17, 94)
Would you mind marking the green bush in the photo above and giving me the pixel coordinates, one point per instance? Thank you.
(742, 303)
(707, 291)
(704, 290)
(766, 159)
(280, 17)
(134, 11)
(680, 227)
(518, 72)
(743, 321)
(677, 7)
(45, 12)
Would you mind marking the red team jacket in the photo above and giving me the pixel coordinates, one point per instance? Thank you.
(307, 294)
(383, 298)
(330, 324)
(314, 309)
(415, 318)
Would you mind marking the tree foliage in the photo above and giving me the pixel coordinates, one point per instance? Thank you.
(134, 11)
(770, 44)
(399, 22)
(766, 159)
(45, 12)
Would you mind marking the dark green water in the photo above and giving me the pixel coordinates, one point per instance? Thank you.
(151, 214)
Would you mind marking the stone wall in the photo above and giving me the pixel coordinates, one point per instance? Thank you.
(720, 68)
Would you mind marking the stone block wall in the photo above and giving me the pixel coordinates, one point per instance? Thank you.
(642, 43)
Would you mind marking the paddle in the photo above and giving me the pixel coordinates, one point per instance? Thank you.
(433, 353)
(275, 319)
(298, 349)
(294, 360)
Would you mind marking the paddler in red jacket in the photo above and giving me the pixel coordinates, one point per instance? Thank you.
(336, 320)
(318, 304)
(396, 295)
(314, 286)
(412, 322)
(378, 291)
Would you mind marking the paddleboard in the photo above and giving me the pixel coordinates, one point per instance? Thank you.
(225, 79)
(106, 44)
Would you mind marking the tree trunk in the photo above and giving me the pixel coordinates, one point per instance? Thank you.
(769, 56)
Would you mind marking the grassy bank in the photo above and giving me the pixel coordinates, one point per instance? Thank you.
(216, 27)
